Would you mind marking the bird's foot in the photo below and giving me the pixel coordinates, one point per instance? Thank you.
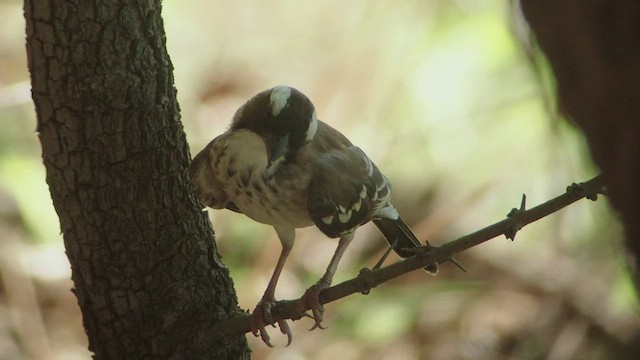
(312, 301)
(261, 316)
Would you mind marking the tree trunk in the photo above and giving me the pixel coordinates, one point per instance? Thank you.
(593, 48)
(147, 275)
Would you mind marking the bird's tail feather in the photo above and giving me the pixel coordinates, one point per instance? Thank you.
(400, 236)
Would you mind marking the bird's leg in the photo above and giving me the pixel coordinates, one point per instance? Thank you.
(261, 315)
(311, 295)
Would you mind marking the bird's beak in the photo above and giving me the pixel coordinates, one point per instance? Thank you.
(277, 148)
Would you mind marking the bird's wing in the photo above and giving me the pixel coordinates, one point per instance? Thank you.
(346, 190)
(202, 177)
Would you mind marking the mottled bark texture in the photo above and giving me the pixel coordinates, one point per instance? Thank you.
(593, 47)
(146, 271)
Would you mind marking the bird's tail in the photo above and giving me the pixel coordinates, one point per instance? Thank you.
(401, 238)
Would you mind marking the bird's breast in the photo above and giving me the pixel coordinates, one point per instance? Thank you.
(276, 198)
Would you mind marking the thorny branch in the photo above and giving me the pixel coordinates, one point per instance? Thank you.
(368, 279)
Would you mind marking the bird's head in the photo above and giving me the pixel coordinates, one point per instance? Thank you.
(283, 116)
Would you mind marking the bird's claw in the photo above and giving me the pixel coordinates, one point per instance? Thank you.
(286, 330)
(261, 316)
(313, 302)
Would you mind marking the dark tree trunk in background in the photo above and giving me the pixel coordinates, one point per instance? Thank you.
(593, 47)
(146, 271)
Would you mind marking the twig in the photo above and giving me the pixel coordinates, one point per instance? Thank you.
(368, 279)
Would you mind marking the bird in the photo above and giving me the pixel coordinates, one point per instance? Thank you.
(280, 165)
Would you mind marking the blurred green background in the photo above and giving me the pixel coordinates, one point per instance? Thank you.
(443, 97)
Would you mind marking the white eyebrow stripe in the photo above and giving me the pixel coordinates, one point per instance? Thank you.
(279, 98)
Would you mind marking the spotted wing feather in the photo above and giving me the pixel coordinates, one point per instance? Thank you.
(346, 191)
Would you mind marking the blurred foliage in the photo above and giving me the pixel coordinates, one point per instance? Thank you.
(444, 99)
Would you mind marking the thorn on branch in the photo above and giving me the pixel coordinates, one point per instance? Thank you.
(392, 245)
(456, 263)
(516, 224)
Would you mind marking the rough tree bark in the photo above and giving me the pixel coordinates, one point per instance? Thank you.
(147, 275)
(594, 50)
